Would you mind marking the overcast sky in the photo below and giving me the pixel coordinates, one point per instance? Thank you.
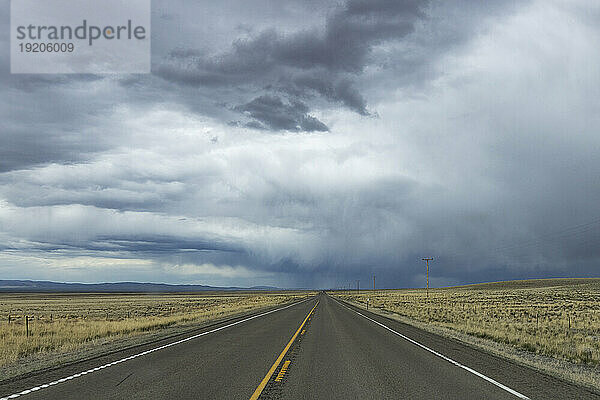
(312, 143)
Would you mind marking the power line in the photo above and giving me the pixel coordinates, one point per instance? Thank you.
(573, 231)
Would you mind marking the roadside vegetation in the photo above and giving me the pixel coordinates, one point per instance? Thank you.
(66, 322)
(559, 318)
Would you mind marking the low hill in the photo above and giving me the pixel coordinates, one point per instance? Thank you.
(117, 287)
(531, 284)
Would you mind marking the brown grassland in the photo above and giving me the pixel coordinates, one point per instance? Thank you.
(60, 323)
(559, 318)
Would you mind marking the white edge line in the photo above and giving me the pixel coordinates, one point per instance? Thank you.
(479, 374)
(89, 371)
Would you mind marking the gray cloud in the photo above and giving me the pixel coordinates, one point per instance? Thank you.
(303, 64)
(482, 154)
(342, 91)
(272, 113)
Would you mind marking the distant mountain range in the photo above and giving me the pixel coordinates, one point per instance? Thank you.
(117, 287)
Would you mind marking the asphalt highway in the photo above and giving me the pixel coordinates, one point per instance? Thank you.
(317, 349)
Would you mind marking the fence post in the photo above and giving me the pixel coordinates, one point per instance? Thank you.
(27, 325)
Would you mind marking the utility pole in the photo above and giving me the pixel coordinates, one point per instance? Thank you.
(357, 287)
(427, 259)
(373, 281)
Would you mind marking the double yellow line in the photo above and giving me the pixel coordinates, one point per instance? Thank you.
(265, 380)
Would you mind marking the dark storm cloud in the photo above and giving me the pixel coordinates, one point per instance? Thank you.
(343, 46)
(45, 126)
(345, 43)
(272, 113)
(57, 118)
(40, 118)
(342, 91)
(154, 244)
(305, 64)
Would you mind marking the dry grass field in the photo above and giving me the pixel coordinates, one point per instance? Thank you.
(66, 322)
(559, 318)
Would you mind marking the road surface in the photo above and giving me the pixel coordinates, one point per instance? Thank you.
(316, 349)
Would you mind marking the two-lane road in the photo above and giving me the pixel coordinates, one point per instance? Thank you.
(317, 349)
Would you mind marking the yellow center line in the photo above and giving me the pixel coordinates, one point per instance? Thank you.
(265, 380)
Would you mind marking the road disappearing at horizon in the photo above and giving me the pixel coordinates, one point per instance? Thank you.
(317, 348)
